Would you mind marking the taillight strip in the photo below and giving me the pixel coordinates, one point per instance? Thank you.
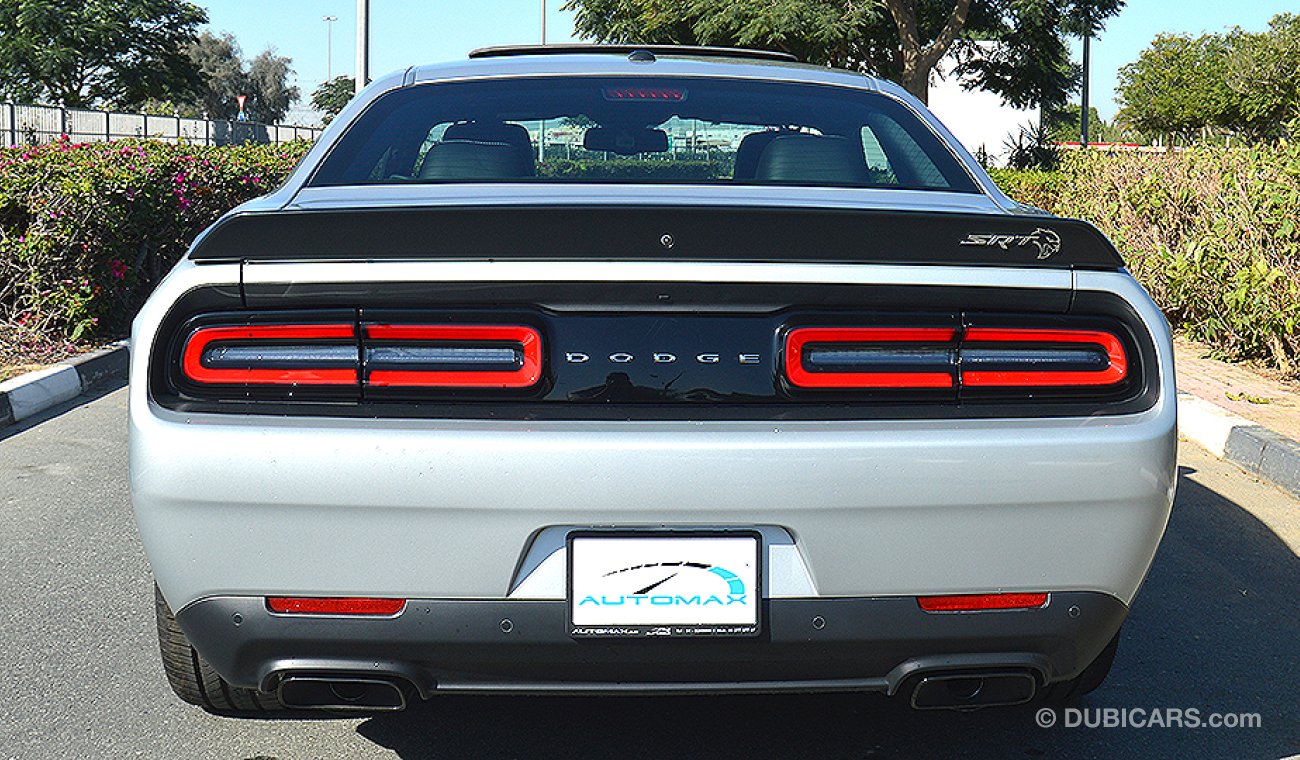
(841, 339)
(461, 342)
(335, 605)
(1114, 372)
(289, 336)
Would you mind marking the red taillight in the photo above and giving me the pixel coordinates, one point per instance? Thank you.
(867, 358)
(335, 605)
(1028, 360)
(870, 357)
(973, 602)
(452, 356)
(288, 354)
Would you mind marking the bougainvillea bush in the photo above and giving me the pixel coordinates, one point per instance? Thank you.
(87, 230)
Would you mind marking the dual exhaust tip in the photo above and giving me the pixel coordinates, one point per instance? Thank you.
(342, 693)
(973, 689)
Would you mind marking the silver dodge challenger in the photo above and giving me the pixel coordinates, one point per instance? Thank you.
(642, 370)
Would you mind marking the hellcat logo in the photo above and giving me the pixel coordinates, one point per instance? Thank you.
(1048, 242)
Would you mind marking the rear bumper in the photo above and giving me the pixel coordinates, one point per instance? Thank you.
(860, 644)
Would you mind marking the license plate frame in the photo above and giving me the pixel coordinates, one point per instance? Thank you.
(634, 621)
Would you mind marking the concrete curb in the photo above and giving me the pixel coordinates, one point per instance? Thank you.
(30, 394)
(1253, 447)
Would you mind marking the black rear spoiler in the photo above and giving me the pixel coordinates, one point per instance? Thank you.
(695, 233)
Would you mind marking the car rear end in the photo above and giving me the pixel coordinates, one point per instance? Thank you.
(410, 424)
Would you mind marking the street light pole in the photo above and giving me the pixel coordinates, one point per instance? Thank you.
(541, 125)
(1083, 126)
(363, 44)
(329, 45)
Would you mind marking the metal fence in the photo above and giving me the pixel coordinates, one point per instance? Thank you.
(31, 125)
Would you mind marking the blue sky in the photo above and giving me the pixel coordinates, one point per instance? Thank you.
(409, 32)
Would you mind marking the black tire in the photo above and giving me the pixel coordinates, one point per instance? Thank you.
(194, 680)
(1087, 681)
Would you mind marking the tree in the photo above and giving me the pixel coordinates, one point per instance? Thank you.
(1238, 83)
(332, 96)
(1177, 86)
(225, 75)
(270, 93)
(899, 39)
(1062, 124)
(80, 52)
(1263, 72)
(221, 67)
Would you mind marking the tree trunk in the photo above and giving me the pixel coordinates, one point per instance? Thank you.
(920, 59)
(916, 80)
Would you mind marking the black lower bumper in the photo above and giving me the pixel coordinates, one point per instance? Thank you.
(869, 644)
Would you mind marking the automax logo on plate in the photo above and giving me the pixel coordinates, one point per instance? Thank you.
(664, 585)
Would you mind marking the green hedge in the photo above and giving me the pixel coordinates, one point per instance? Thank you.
(87, 230)
(1214, 235)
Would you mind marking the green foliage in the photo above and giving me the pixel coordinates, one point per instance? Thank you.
(1032, 187)
(1177, 86)
(87, 230)
(1032, 149)
(1242, 83)
(82, 52)
(226, 75)
(1064, 125)
(1028, 65)
(1213, 234)
(332, 96)
(632, 169)
(1264, 74)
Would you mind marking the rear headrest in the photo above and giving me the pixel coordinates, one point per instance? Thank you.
(473, 160)
(749, 150)
(817, 159)
(514, 135)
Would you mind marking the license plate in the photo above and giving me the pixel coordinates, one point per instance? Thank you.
(643, 584)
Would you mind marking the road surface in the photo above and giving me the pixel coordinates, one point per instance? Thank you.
(1216, 628)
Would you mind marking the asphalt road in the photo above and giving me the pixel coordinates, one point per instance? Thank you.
(1216, 628)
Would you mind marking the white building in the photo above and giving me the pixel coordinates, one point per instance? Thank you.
(977, 117)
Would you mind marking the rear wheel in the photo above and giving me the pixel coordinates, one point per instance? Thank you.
(1087, 681)
(194, 680)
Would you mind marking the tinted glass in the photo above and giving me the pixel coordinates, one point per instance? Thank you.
(641, 130)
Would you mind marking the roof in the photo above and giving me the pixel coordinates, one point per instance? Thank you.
(639, 51)
(617, 60)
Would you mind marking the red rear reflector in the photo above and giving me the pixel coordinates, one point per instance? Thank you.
(526, 339)
(338, 605)
(1114, 373)
(280, 335)
(799, 339)
(970, 602)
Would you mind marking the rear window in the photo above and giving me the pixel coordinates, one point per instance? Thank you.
(641, 130)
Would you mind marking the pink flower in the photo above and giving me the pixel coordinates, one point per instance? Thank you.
(117, 269)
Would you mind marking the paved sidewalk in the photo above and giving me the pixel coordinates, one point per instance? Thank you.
(1238, 388)
(1244, 415)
